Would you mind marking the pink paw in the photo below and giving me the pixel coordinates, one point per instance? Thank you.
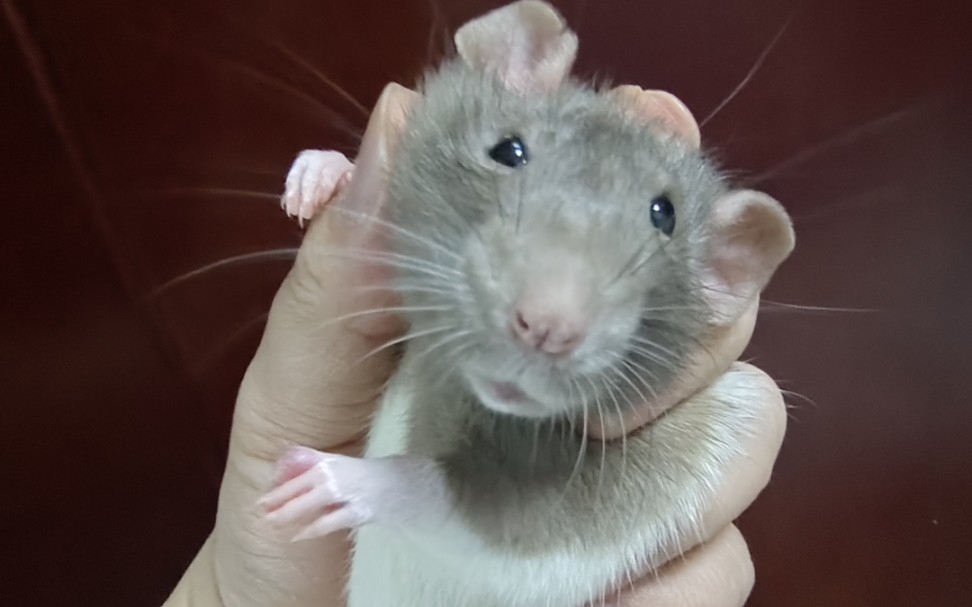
(319, 493)
(314, 179)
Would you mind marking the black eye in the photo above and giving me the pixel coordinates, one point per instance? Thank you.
(663, 215)
(510, 151)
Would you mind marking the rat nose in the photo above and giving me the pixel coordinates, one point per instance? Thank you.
(546, 330)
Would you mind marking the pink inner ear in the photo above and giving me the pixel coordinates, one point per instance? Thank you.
(662, 109)
(751, 236)
(527, 44)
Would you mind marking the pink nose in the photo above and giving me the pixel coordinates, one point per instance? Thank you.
(546, 331)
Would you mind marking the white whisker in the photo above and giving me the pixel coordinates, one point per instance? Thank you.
(334, 86)
(401, 262)
(407, 337)
(620, 413)
(649, 343)
(841, 140)
(653, 357)
(212, 191)
(752, 72)
(282, 254)
(386, 310)
(400, 230)
(634, 368)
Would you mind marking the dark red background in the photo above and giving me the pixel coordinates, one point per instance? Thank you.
(140, 141)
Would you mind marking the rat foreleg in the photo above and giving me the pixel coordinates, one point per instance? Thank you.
(319, 493)
(314, 179)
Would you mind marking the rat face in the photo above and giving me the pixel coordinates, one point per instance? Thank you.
(549, 245)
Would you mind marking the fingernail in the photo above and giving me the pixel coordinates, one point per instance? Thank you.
(365, 194)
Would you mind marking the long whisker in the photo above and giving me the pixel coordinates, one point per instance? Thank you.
(752, 71)
(226, 64)
(627, 380)
(620, 413)
(637, 265)
(581, 452)
(275, 172)
(569, 418)
(454, 354)
(647, 342)
(207, 359)
(846, 138)
(213, 191)
(458, 290)
(427, 270)
(399, 260)
(603, 441)
(635, 368)
(804, 308)
(334, 86)
(400, 230)
(388, 310)
(407, 337)
(282, 254)
(442, 343)
(648, 310)
(653, 357)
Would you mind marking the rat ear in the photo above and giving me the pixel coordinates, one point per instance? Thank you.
(663, 109)
(751, 235)
(527, 44)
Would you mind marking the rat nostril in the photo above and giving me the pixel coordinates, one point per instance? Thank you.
(548, 334)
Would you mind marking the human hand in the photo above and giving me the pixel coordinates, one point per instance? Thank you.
(305, 386)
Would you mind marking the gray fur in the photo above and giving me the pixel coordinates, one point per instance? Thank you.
(591, 177)
(590, 180)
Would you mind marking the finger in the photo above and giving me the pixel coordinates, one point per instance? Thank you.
(760, 403)
(725, 343)
(301, 387)
(708, 362)
(718, 573)
(718, 447)
(661, 109)
(305, 385)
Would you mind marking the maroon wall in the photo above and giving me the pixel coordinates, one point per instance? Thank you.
(142, 141)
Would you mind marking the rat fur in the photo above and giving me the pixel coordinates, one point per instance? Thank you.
(480, 486)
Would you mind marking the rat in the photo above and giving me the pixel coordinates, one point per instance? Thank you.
(561, 252)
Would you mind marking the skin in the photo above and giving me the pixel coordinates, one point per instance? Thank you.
(304, 386)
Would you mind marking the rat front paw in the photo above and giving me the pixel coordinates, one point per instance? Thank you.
(319, 493)
(314, 179)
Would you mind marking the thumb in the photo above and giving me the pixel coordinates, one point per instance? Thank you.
(307, 383)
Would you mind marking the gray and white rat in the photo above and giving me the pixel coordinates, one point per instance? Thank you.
(560, 257)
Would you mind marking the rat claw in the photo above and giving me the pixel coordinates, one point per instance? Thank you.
(314, 179)
(291, 490)
(300, 508)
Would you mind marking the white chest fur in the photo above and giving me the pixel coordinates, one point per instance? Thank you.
(441, 561)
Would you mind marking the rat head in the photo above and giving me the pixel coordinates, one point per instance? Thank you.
(564, 248)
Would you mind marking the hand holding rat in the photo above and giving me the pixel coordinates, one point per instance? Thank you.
(304, 386)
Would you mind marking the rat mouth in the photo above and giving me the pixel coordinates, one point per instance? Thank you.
(507, 397)
(507, 391)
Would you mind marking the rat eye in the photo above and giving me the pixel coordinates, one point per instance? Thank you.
(510, 151)
(663, 214)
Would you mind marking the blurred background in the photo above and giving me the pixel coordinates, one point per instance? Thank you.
(143, 146)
